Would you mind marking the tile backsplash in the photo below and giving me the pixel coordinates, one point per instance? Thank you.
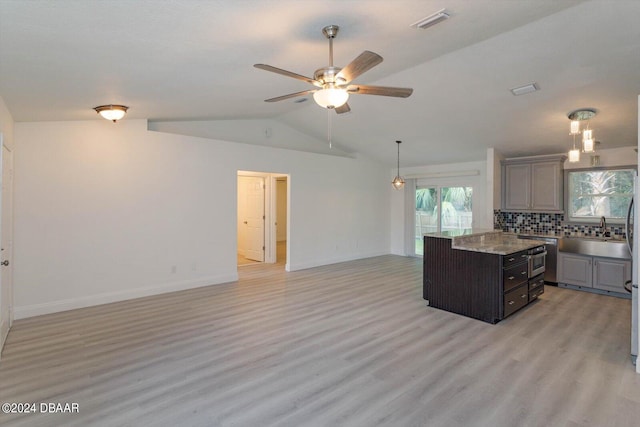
(550, 223)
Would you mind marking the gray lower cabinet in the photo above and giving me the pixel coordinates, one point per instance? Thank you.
(575, 269)
(610, 274)
(604, 274)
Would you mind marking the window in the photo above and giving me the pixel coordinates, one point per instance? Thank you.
(597, 193)
(442, 209)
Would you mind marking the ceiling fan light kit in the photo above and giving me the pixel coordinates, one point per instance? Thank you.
(331, 97)
(112, 112)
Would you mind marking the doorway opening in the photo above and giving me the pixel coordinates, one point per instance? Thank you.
(262, 218)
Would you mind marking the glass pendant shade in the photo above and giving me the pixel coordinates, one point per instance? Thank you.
(574, 155)
(331, 97)
(588, 145)
(575, 127)
(112, 112)
(397, 182)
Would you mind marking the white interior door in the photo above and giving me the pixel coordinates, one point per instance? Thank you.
(6, 238)
(254, 219)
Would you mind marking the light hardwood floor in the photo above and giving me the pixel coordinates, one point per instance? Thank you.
(351, 344)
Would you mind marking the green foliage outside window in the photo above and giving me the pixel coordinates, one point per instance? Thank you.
(594, 194)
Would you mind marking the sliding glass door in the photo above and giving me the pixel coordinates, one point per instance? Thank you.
(440, 208)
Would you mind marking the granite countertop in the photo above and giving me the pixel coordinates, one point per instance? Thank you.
(540, 234)
(489, 241)
(450, 234)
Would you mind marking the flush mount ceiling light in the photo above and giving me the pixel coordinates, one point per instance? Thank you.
(431, 20)
(398, 181)
(588, 143)
(112, 112)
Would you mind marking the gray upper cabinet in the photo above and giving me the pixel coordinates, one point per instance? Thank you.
(517, 185)
(533, 184)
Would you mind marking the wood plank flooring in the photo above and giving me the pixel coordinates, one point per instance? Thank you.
(351, 344)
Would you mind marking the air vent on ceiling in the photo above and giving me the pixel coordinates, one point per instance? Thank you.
(430, 20)
(521, 90)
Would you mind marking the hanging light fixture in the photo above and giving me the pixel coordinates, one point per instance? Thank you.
(587, 141)
(595, 159)
(398, 181)
(588, 144)
(574, 153)
(112, 112)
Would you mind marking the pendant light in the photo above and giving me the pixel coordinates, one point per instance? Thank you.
(112, 112)
(588, 144)
(398, 181)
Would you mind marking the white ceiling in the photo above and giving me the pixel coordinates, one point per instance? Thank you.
(187, 67)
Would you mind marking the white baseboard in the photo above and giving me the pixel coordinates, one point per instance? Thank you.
(22, 312)
(328, 261)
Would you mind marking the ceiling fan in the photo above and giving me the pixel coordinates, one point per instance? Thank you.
(333, 83)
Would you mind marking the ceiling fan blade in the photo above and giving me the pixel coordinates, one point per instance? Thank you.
(364, 62)
(399, 92)
(344, 108)
(287, 73)
(291, 95)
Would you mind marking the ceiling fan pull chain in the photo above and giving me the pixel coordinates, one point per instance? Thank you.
(329, 127)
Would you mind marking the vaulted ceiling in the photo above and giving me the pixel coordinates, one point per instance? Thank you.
(187, 67)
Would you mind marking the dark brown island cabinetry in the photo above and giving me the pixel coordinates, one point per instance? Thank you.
(484, 286)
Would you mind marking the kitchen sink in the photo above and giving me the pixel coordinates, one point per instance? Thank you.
(595, 246)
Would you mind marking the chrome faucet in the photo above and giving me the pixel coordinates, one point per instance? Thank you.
(603, 226)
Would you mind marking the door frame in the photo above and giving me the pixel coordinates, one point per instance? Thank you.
(272, 226)
(270, 238)
(8, 253)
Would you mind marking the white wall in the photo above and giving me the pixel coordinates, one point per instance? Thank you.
(103, 211)
(449, 174)
(494, 180)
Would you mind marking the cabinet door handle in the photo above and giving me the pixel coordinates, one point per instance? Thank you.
(511, 302)
(524, 296)
(523, 273)
(511, 277)
(511, 259)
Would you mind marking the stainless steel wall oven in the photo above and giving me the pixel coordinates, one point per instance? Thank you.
(537, 262)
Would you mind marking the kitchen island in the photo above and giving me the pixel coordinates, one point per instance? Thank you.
(481, 274)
